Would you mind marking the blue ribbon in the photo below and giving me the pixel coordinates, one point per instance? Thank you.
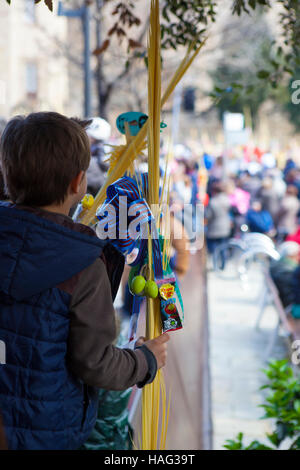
(126, 218)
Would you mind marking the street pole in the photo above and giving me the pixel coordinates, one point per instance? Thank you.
(84, 14)
(87, 61)
(99, 81)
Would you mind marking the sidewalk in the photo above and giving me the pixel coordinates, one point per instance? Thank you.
(237, 355)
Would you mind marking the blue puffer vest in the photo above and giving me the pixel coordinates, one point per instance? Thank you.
(43, 405)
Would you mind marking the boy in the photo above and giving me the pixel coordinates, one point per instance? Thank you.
(57, 285)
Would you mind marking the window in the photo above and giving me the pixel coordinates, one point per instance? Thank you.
(31, 81)
(30, 11)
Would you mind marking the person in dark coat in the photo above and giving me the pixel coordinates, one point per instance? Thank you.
(282, 271)
(296, 294)
(259, 220)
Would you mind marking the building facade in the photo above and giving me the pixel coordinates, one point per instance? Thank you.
(33, 65)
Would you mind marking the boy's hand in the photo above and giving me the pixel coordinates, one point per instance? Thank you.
(141, 340)
(158, 346)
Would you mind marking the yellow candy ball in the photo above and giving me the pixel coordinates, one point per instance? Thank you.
(151, 289)
(138, 285)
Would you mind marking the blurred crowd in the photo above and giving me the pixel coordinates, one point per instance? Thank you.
(262, 199)
(241, 195)
(267, 201)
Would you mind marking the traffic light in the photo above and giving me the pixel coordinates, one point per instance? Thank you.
(189, 99)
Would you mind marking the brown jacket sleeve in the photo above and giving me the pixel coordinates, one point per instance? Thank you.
(91, 354)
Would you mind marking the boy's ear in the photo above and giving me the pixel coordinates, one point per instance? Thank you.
(76, 182)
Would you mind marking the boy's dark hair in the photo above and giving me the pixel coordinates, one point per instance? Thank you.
(40, 155)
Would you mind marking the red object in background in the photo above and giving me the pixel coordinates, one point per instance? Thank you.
(294, 237)
(258, 153)
(247, 153)
(204, 199)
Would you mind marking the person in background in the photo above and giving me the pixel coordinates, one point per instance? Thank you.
(182, 184)
(295, 311)
(217, 169)
(279, 185)
(287, 215)
(99, 132)
(250, 183)
(289, 165)
(217, 218)
(239, 201)
(183, 195)
(192, 172)
(268, 197)
(282, 271)
(259, 220)
(179, 248)
(292, 176)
